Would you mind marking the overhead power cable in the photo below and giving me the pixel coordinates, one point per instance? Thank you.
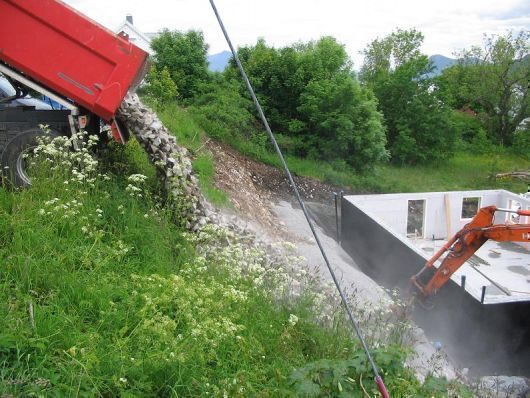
(378, 379)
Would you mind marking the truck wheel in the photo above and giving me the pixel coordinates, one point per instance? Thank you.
(13, 161)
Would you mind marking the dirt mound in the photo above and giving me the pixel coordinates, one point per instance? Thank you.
(252, 186)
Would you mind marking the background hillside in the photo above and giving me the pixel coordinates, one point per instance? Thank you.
(218, 62)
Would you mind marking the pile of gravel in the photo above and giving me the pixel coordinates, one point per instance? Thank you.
(171, 161)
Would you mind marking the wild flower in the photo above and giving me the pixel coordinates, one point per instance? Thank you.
(134, 191)
(137, 178)
(71, 156)
(120, 249)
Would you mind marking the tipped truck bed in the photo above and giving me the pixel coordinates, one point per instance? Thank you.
(70, 54)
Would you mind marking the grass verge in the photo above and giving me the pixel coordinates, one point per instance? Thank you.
(464, 171)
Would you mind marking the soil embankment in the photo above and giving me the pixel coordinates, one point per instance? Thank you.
(261, 195)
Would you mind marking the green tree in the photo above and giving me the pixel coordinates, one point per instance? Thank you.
(344, 122)
(494, 81)
(184, 56)
(385, 55)
(280, 76)
(521, 140)
(456, 85)
(419, 127)
(159, 86)
(222, 111)
(314, 102)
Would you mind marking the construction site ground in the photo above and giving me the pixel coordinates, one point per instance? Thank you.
(261, 196)
(254, 188)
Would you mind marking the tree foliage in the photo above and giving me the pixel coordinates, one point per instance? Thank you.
(159, 86)
(222, 111)
(343, 122)
(494, 81)
(184, 56)
(521, 139)
(418, 123)
(313, 100)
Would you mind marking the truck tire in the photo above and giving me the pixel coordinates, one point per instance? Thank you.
(12, 160)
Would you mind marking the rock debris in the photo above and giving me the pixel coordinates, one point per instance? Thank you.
(171, 161)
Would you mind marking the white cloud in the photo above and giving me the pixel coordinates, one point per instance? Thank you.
(448, 26)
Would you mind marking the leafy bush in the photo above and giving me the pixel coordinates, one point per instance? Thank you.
(223, 112)
(342, 122)
(159, 87)
(350, 377)
(184, 56)
(312, 99)
(472, 135)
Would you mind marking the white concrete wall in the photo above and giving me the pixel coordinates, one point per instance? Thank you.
(392, 209)
(509, 199)
(390, 212)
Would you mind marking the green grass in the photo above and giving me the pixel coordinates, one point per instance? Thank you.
(101, 295)
(182, 125)
(464, 171)
(203, 165)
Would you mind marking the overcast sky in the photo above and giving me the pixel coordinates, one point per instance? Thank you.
(448, 25)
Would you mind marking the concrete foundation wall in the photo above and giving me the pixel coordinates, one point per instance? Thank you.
(489, 339)
(442, 213)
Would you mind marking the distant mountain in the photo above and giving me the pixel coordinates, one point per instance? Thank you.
(218, 62)
(440, 62)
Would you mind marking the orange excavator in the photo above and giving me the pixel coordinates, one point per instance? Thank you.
(466, 242)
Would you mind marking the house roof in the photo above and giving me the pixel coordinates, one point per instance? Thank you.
(130, 26)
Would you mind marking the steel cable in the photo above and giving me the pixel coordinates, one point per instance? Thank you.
(378, 379)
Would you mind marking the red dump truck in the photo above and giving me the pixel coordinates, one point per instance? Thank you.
(49, 48)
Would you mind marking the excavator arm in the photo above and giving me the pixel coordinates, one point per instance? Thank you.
(466, 242)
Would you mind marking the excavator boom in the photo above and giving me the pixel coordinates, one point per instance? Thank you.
(466, 242)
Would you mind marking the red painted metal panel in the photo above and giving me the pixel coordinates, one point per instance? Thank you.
(69, 53)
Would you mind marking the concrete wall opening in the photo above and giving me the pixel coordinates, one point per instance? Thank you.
(470, 206)
(416, 218)
(512, 217)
